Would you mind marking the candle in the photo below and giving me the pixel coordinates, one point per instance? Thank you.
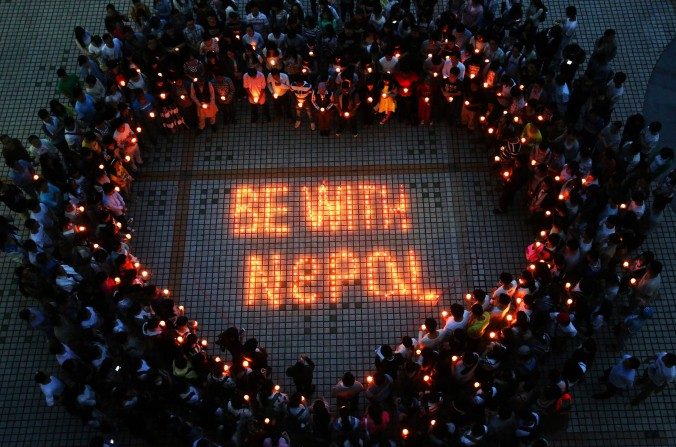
(118, 224)
(194, 79)
(557, 178)
(523, 140)
(466, 103)
(405, 90)
(569, 301)
(435, 74)
(454, 358)
(548, 213)
(450, 99)
(162, 324)
(311, 53)
(444, 314)
(81, 209)
(181, 309)
(81, 228)
(144, 274)
(246, 397)
(122, 83)
(165, 292)
(151, 114)
(509, 318)
(337, 69)
(477, 385)
(531, 267)
(491, 334)
(497, 159)
(369, 99)
(96, 246)
(426, 378)
(427, 99)
(275, 95)
(404, 433)
(384, 95)
(273, 62)
(205, 106)
(369, 379)
(561, 197)
(134, 140)
(322, 109)
(418, 352)
(127, 158)
(346, 114)
(128, 236)
(179, 340)
(623, 206)
(226, 368)
(204, 343)
(567, 285)
(163, 95)
(138, 129)
(245, 363)
(423, 328)
(429, 55)
(625, 264)
(506, 174)
(518, 301)
(182, 96)
(100, 167)
(491, 130)
(632, 281)
(217, 359)
(516, 119)
(569, 62)
(541, 118)
(433, 422)
(533, 162)
(482, 118)
(468, 296)
(266, 421)
(222, 97)
(159, 74)
(277, 388)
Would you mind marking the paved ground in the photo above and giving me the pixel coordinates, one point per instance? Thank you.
(189, 236)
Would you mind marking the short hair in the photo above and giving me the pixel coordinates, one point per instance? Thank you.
(431, 324)
(477, 310)
(61, 72)
(348, 379)
(506, 278)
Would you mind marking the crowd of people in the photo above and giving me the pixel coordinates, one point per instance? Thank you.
(482, 373)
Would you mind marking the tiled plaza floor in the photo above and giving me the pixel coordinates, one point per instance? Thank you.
(449, 241)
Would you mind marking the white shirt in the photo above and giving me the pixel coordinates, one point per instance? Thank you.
(388, 66)
(622, 377)
(114, 203)
(114, 53)
(279, 87)
(446, 70)
(53, 389)
(43, 216)
(452, 325)
(659, 373)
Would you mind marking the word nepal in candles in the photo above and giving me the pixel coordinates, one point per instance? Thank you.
(351, 206)
(272, 278)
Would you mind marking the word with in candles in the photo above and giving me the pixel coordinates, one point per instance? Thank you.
(313, 212)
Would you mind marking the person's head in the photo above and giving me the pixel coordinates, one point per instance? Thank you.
(252, 72)
(477, 310)
(506, 279)
(61, 73)
(669, 360)
(348, 379)
(457, 311)
(631, 363)
(407, 342)
(41, 377)
(655, 127)
(44, 115)
(386, 351)
(430, 324)
(571, 12)
(666, 153)
(108, 188)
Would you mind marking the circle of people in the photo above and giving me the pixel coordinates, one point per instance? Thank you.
(475, 375)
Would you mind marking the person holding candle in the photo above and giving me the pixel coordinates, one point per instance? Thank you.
(322, 101)
(278, 86)
(254, 85)
(347, 392)
(203, 95)
(347, 103)
(425, 94)
(386, 102)
(302, 91)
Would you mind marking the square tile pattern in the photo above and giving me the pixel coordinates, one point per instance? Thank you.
(185, 220)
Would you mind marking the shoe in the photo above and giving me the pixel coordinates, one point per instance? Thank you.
(198, 131)
(214, 128)
(383, 121)
(499, 211)
(338, 134)
(266, 119)
(355, 135)
(422, 123)
(313, 126)
(296, 125)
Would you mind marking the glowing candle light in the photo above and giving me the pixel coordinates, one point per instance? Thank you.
(491, 130)
(144, 274)
(509, 318)
(246, 397)
(633, 281)
(485, 84)
(557, 178)
(496, 159)
(506, 174)
(477, 385)
(138, 129)
(346, 114)
(266, 421)
(548, 213)
(163, 95)
(523, 140)
(117, 189)
(182, 96)
(404, 433)
(567, 285)
(369, 379)
(482, 118)
(369, 69)
(96, 246)
(444, 314)
(466, 103)
(541, 118)
(100, 167)
(165, 292)
(427, 378)
(217, 359)
(205, 106)
(625, 264)
(418, 352)
(543, 233)
(532, 266)
(128, 236)
(179, 339)
(163, 324)
(561, 197)
(127, 158)
(117, 280)
(427, 99)
(204, 343)
(533, 162)
(569, 301)
(277, 388)
(245, 363)
(623, 206)
(423, 328)
(151, 114)
(223, 97)
(433, 422)
(519, 301)
(405, 90)
(311, 53)
(322, 109)
(491, 334)
(454, 358)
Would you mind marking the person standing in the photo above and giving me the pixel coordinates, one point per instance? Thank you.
(657, 376)
(254, 85)
(620, 377)
(301, 373)
(322, 101)
(204, 97)
(347, 103)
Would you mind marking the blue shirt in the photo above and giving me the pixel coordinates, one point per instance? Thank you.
(51, 198)
(86, 111)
